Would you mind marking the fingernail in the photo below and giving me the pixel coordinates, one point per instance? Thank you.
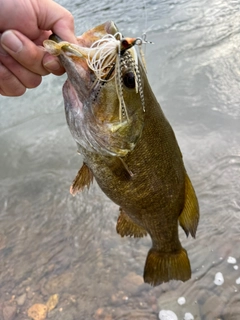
(11, 41)
(52, 65)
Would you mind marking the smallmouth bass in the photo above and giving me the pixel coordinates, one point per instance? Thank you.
(128, 146)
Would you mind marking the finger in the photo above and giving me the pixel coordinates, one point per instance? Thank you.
(43, 35)
(16, 73)
(9, 84)
(52, 65)
(26, 53)
(54, 17)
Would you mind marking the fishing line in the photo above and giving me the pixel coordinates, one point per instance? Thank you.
(107, 55)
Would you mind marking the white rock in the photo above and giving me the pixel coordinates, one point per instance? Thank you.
(235, 267)
(231, 260)
(188, 316)
(238, 281)
(181, 301)
(167, 315)
(219, 280)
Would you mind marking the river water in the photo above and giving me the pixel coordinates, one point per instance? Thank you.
(53, 243)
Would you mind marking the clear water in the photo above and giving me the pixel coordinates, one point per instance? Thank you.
(52, 243)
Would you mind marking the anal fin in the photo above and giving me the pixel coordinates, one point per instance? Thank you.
(126, 227)
(83, 179)
(189, 216)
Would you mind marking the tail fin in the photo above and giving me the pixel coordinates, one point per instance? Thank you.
(162, 267)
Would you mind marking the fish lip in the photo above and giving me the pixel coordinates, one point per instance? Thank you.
(80, 76)
(76, 68)
(54, 37)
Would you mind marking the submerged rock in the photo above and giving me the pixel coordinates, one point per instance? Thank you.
(37, 312)
(9, 310)
(21, 299)
(52, 302)
(167, 315)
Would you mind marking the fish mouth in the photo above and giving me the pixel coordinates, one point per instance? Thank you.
(96, 58)
(77, 70)
(74, 58)
(100, 115)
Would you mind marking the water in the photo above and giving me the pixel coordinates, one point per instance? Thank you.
(53, 243)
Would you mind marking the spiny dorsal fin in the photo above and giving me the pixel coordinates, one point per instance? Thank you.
(189, 217)
(83, 179)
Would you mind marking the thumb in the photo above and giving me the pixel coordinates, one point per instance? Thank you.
(54, 17)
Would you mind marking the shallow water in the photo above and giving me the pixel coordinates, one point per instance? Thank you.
(53, 243)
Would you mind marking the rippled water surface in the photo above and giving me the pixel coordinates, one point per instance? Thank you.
(52, 243)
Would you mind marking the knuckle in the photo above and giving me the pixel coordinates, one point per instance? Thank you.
(33, 56)
(69, 17)
(32, 60)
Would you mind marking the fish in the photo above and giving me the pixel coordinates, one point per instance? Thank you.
(128, 146)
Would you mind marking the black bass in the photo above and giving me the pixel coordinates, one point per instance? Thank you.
(128, 146)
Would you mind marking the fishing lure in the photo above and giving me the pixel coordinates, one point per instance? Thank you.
(106, 58)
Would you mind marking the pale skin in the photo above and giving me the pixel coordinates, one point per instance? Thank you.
(24, 24)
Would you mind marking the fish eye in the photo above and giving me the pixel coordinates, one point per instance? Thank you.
(125, 43)
(129, 80)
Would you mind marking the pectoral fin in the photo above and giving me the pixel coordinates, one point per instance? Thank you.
(190, 215)
(83, 179)
(119, 167)
(126, 227)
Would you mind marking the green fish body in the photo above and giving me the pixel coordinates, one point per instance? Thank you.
(134, 156)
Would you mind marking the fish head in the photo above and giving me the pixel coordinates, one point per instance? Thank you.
(104, 91)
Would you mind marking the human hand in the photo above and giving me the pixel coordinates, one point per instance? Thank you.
(24, 24)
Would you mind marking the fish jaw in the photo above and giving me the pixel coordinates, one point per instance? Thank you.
(92, 104)
(78, 76)
(73, 57)
(75, 63)
(78, 91)
(77, 95)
